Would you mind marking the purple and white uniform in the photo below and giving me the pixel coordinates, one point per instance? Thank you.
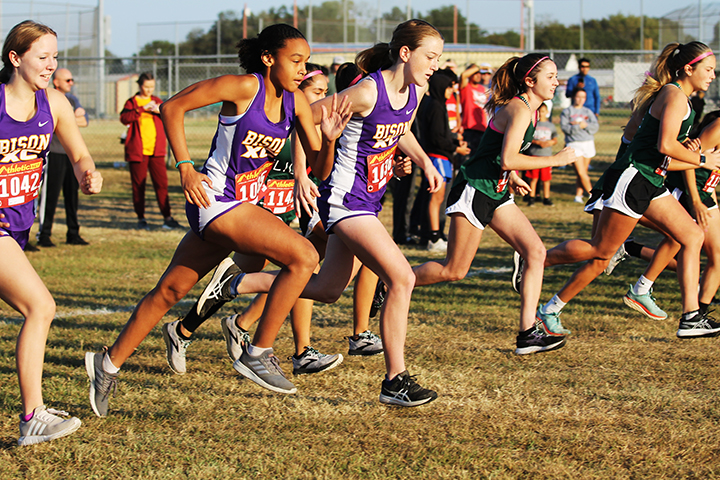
(363, 162)
(241, 157)
(23, 148)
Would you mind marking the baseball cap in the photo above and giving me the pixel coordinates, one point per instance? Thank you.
(338, 60)
(485, 68)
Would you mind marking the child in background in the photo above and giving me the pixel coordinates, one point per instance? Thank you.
(544, 139)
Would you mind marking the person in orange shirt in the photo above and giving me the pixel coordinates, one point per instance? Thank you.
(145, 148)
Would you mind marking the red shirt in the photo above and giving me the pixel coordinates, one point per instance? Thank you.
(473, 99)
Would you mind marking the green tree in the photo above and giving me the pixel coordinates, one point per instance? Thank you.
(442, 19)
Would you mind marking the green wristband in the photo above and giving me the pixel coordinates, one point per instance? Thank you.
(184, 161)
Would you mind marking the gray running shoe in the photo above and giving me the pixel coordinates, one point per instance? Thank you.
(312, 361)
(234, 337)
(101, 382)
(46, 425)
(175, 347)
(218, 290)
(265, 371)
(366, 344)
(618, 257)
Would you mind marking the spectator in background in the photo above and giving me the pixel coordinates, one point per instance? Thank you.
(586, 82)
(438, 143)
(544, 139)
(145, 148)
(580, 125)
(473, 97)
(486, 73)
(337, 61)
(59, 174)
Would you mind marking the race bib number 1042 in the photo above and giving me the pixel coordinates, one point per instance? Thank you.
(19, 182)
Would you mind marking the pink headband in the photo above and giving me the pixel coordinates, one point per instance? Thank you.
(535, 65)
(311, 74)
(700, 57)
(355, 80)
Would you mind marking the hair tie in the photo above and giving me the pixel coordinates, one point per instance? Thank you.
(535, 65)
(311, 74)
(677, 50)
(355, 80)
(700, 57)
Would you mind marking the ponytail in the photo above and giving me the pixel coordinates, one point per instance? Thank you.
(668, 67)
(382, 56)
(509, 80)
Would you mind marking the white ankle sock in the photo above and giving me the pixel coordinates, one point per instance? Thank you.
(555, 305)
(643, 286)
(254, 351)
(108, 365)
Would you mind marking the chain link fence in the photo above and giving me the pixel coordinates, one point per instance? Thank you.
(618, 74)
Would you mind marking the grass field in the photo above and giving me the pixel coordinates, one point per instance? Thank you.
(623, 399)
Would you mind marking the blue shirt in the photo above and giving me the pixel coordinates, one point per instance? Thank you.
(591, 87)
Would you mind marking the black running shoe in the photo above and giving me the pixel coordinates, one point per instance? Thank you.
(517, 273)
(700, 325)
(217, 292)
(536, 340)
(378, 298)
(402, 390)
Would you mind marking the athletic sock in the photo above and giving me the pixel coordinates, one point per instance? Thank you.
(633, 248)
(235, 282)
(434, 236)
(555, 305)
(108, 365)
(254, 351)
(704, 307)
(643, 286)
(29, 416)
(179, 332)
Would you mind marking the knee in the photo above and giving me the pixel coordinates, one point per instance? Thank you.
(535, 255)
(305, 259)
(41, 310)
(453, 273)
(330, 294)
(402, 281)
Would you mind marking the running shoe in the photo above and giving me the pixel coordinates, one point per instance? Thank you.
(46, 425)
(517, 273)
(550, 323)
(378, 298)
(548, 203)
(235, 338)
(217, 291)
(700, 325)
(404, 391)
(264, 370)
(175, 347)
(537, 340)
(618, 257)
(365, 344)
(312, 361)
(438, 246)
(644, 304)
(101, 382)
(143, 225)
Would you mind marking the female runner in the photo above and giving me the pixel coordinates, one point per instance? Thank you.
(30, 113)
(258, 111)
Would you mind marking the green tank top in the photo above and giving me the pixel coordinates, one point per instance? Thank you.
(281, 178)
(643, 153)
(705, 180)
(483, 170)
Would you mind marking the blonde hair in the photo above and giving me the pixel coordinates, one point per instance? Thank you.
(19, 40)
(666, 68)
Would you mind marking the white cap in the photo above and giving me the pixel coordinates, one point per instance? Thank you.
(485, 68)
(338, 60)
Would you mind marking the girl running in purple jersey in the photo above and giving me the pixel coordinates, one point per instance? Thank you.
(29, 115)
(259, 110)
(383, 106)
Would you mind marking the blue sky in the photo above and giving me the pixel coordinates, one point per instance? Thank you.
(492, 15)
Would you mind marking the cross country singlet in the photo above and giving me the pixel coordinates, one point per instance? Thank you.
(23, 148)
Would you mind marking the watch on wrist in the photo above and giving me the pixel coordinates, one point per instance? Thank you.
(702, 159)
